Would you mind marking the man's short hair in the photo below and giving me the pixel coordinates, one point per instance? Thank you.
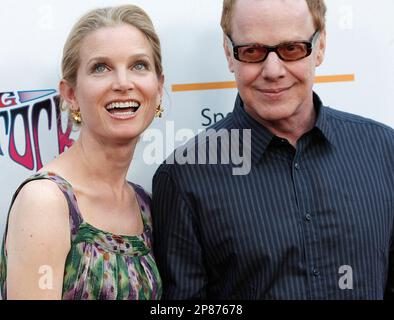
(316, 7)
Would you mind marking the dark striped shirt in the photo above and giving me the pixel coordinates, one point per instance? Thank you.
(315, 222)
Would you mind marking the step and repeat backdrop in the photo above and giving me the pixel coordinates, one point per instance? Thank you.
(357, 76)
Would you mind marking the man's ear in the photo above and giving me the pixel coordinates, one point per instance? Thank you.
(321, 49)
(228, 52)
(67, 92)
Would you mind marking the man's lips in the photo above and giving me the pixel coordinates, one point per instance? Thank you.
(275, 90)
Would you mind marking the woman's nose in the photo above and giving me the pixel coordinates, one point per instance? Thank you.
(122, 81)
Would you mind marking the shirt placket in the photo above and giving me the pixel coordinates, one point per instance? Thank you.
(308, 224)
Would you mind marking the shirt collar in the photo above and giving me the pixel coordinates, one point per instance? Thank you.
(322, 120)
(261, 137)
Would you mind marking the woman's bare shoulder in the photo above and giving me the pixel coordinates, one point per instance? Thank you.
(38, 235)
(40, 204)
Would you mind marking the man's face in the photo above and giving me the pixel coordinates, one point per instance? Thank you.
(274, 90)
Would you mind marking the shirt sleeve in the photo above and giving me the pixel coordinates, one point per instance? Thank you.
(176, 245)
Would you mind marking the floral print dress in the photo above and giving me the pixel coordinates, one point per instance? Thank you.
(101, 265)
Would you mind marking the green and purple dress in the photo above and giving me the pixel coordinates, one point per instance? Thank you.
(101, 265)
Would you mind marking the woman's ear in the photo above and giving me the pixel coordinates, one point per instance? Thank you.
(67, 92)
(161, 87)
(161, 84)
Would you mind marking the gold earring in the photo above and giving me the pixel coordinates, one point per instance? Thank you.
(159, 111)
(76, 115)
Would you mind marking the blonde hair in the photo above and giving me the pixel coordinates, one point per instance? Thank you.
(317, 9)
(100, 18)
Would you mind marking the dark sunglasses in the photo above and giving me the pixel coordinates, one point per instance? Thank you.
(287, 51)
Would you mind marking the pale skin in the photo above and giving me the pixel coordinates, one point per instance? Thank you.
(290, 113)
(96, 165)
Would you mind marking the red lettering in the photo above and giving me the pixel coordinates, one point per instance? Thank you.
(7, 99)
(26, 159)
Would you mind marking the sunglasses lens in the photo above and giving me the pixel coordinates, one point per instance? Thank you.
(293, 51)
(252, 53)
(290, 51)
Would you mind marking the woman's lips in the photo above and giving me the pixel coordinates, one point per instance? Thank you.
(123, 114)
(123, 110)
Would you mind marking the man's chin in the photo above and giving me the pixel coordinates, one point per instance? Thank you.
(272, 113)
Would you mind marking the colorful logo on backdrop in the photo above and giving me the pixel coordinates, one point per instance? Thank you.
(30, 106)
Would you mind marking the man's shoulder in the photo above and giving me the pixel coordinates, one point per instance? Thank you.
(194, 143)
(346, 119)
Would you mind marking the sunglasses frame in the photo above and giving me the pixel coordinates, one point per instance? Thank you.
(309, 46)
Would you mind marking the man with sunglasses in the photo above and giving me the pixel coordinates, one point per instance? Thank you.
(314, 217)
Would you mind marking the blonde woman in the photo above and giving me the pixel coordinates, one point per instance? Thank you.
(78, 220)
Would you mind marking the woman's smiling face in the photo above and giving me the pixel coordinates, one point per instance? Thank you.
(117, 87)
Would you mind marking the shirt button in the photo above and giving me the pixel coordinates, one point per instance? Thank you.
(316, 272)
(308, 217)
(297, 166)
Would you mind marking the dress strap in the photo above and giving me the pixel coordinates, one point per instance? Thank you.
(144, 201)
(66, 188)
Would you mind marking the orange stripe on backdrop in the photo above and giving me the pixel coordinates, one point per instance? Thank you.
(232, 85)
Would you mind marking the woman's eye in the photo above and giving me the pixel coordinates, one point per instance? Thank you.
(100, 68)
(140, 66)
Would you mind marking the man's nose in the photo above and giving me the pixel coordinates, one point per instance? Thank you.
(273, 67)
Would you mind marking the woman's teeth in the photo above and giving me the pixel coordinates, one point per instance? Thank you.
(123, 105)
(123, 108)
